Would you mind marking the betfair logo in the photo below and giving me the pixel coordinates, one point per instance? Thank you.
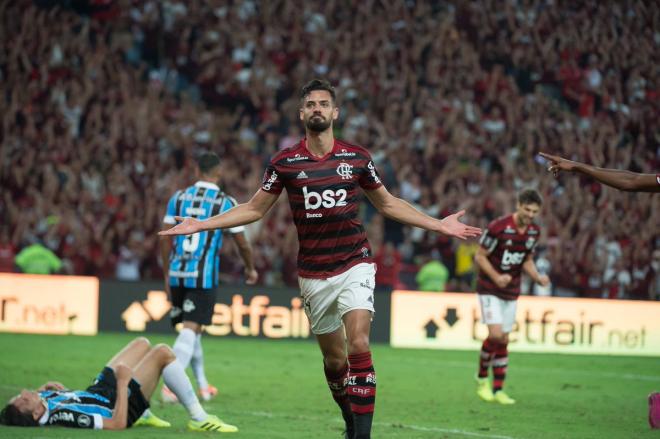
(138, 314)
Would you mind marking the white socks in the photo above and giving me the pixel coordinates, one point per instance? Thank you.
(197, 363)
(184, 346)
(174, 376)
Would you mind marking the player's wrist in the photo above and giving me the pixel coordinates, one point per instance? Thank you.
(204, 225)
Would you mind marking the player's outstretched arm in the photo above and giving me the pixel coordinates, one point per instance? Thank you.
(616, 178)
(401, 211)
(242, 214)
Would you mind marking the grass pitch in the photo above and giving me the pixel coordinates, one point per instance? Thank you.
(276, 389)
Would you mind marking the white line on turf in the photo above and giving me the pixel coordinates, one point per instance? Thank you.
(444, 430)
(389, 424)
(540, 371)
(11, 388)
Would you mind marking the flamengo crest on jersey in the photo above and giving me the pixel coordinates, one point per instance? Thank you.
(324, 195)
(195, 260)
(507, 251)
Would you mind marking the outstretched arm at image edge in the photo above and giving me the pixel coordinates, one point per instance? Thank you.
(616, 178)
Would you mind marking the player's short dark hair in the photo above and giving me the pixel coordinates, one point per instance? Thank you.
(10, 415)
(317, 84)
(207, 161)
(530, 196)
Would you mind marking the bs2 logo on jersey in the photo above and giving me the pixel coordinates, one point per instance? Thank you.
(328, 198)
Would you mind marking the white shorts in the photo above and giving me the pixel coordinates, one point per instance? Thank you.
(327, 300)
(496, 311)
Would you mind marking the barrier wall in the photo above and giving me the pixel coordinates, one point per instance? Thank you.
(83, 305)
(564, 325)
(240, 311)
(49, 304)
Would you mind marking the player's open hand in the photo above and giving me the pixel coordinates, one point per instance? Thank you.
(52, 385)
(558, 164)
(451, 226)
(187, 226)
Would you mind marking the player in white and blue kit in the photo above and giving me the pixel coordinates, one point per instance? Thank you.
(117, 398)
(191, 264)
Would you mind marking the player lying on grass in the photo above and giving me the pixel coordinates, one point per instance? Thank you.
(118, 397)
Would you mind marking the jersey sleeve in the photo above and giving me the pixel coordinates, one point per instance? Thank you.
(272, 181)
(230, 203)
(370, 178)
(489, 239)
(171, 210)
(74, 419)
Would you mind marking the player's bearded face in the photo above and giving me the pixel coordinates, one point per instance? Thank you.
(317, 122)
(318, 111)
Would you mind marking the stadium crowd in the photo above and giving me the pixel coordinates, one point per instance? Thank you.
(106, 103)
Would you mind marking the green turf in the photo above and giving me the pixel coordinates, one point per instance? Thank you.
(275, 389)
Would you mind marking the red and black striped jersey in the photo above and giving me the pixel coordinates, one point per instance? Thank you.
(507, 251)
(324, 199)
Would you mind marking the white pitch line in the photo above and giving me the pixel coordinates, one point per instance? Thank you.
(538, 370)
(11, 388)
(444, 430)
(390, 424)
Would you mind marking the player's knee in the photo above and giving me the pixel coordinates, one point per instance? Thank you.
(165, 353)
(143, 342)
(499, 337)
(335, 362)
(358, 345)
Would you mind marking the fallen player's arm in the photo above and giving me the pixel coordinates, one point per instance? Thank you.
(119, 418)
(51, 385)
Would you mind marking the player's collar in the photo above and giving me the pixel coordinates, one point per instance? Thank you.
(317, 158)
(207, 185)
(44, 418)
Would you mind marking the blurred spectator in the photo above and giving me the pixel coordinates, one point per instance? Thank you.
(7, 252)
(433, 274)
(128, 261)
(465, 270)
(388, 266)
(38, 259)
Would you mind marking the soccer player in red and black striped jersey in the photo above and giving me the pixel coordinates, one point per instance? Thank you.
(616, 178)
(336, 272)
(507, 249)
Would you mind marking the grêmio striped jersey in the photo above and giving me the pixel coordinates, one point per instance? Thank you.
(507, 251)
(75, 408)
(324, 199)
(195, 259)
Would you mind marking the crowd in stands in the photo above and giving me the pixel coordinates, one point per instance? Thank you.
(106, 103)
